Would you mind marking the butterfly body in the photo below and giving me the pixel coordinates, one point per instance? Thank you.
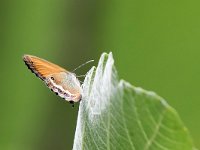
(62, 82)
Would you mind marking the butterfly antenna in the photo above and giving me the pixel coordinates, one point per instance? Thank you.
(80, 76)
(82, 65)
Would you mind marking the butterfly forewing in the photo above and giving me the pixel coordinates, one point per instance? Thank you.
(41, 67)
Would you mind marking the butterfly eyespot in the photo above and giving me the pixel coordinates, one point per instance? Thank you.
(59, 90)
(52, 78)
(66, 94)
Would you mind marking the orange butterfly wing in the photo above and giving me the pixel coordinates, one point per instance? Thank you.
(41, 67)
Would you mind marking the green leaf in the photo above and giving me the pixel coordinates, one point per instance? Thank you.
(116, 115)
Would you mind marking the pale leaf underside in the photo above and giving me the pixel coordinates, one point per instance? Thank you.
(116, 115)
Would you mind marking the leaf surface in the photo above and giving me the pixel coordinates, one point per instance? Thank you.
(114, 115)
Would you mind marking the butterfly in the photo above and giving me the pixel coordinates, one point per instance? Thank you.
(62, 82)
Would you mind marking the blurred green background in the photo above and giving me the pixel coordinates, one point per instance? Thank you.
(155, 45)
